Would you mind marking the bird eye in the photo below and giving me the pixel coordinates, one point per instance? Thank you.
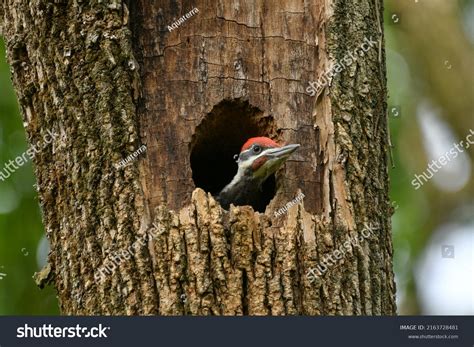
(257, 149)
(236, 157)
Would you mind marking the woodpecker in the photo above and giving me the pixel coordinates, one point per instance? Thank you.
(258, 159)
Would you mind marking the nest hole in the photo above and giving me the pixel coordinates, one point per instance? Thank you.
(219, 137)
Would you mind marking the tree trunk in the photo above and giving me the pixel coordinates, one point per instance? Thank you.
(108, 77)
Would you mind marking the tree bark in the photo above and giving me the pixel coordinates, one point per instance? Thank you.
(110, 76)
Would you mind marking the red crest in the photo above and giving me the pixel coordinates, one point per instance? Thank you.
(262, 141)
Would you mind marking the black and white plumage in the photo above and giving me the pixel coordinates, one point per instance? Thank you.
(258, 159)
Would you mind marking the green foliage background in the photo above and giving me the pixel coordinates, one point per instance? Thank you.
(21, 229)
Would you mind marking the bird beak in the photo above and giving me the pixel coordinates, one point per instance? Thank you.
(281, 152)
(275, 157)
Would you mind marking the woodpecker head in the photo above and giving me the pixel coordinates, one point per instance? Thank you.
(261, 156)
(258, 159)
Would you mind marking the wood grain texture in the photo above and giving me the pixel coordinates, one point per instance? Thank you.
(237, 50)
(109, 76)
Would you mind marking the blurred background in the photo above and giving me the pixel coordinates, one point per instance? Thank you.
(430, 63)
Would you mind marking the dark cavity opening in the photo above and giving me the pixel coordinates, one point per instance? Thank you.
(219, 137)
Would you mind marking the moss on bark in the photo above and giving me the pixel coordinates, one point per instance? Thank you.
(77, 73)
